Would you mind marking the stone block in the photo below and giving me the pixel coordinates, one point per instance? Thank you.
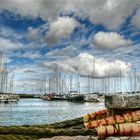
(122, 101)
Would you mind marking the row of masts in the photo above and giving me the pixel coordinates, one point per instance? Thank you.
(6, 82)
(61, 83)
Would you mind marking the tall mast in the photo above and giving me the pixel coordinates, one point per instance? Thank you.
(135, 79)
(120, 81)
(106, 81)
(1, 82)
(6, 76)
(93, 75)
(78, 84)
(1, 68)
(71, 82)
(88, 84)
(12, 84)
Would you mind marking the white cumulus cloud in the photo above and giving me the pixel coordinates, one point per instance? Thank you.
(110, 40)
(88, 65)
(7, 44)
(33, 33)
(110, 13)
(136, 19)
(60, 28)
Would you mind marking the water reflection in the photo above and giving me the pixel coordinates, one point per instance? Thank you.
(37, 111)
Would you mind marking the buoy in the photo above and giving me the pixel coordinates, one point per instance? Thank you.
(126, 129)
(117, 119)
(96, 115)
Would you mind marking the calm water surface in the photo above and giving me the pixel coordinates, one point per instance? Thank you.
(37, 111)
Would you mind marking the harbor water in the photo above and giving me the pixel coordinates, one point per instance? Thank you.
(38, 111)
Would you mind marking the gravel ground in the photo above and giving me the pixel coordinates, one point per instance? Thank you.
(89, 138)
(68, 138)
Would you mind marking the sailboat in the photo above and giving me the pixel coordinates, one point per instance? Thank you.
(5, 84)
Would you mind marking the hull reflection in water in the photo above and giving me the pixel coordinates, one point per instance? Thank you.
(37, 111)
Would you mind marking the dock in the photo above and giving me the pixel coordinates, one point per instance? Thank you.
(108, 124)
(6, 98)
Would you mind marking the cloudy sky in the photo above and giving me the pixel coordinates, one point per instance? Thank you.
(75, 35)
